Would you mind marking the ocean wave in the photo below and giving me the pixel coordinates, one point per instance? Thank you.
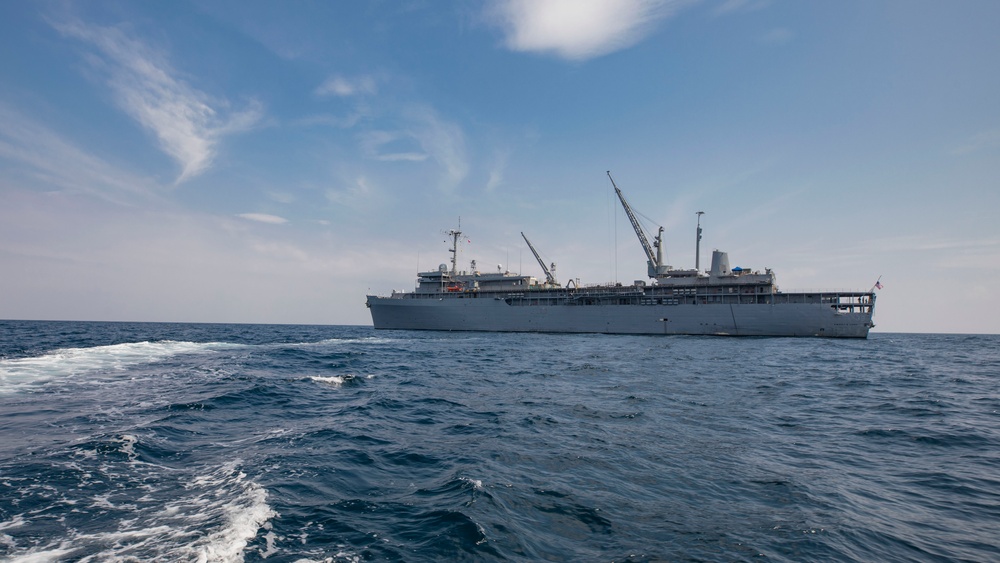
(493, 448)
(361, 340)
(68, 362)
(334, 380)
(338, 380)
(213, 518)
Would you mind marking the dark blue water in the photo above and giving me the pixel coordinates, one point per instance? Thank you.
(173, 442)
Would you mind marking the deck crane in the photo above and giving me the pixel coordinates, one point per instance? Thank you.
(656, 267)
(550, 278)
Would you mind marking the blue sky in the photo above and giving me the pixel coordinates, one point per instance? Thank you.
(276, 161)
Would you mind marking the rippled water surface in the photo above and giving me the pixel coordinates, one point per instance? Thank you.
(175, 442)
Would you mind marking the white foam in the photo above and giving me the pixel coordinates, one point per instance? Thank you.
(327, 342)
(215, 521)
(269, 539)
(102, 501)
(68, 362)
(476, 483)
(361, 340)
(45, 555)
(128, 446)
(335, 380)
(339, 556)
(242, 516)
(16, 522)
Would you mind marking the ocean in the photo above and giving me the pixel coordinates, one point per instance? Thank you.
(201, 442)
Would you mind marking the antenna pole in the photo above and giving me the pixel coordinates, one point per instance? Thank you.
(455, 233)
(697, 243)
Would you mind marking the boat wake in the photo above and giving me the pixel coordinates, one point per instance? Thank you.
(210, 517)
(69, 362)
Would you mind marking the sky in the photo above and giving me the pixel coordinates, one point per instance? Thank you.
(275, 162)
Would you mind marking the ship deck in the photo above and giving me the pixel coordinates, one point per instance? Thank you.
(844, 301)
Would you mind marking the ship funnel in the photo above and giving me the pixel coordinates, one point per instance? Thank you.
(720, 264)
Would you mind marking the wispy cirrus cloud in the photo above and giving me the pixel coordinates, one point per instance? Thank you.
(42, 159)
(977, 142)
(344, 87)
(443, 140)
(735, 6)
(327, 120)
(385, 146)
(263, 218)
(579, 29)
(356, 190)
(497, 170)
(424, 136)
(187, 122)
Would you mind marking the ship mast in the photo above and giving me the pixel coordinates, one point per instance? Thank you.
(455, 233)
(550, 278)
(654, 261)
(697, 243)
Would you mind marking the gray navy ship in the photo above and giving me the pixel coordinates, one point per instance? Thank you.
(720, 301)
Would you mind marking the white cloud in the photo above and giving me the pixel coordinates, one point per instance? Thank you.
(424, 136)
(980, 141)
(263, 218)
(47, 161)
(579, 29)
(360, 190)
(777, 36)
(344, 87)
(280, 251)
(374, 144)
(282, 197)
(496, 172)
(404, 156)
(442, 140)
(733, 6)
(929, 243)
(187, 122)
(345, 122)
(68, 257)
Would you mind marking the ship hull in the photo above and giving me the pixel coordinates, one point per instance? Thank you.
(729, 319)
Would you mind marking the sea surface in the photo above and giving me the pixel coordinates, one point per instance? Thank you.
(200, 442)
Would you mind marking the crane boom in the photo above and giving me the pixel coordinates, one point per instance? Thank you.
(549, 277)
(653, 258)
